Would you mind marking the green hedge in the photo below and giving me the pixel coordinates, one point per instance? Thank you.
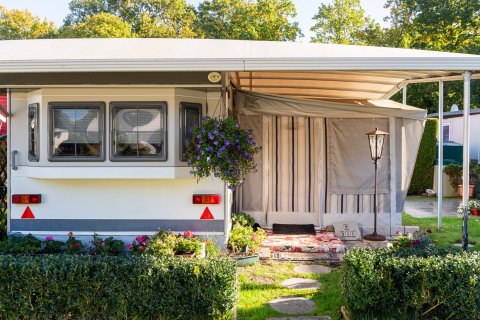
(422, 177)
(122, 287)
(377, 284)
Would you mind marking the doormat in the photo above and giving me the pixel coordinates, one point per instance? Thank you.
(293, 228)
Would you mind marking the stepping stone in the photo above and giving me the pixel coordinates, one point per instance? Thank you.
(301, 283)
(293, 305)
(312, 268)
(456, 244)
(302, 318)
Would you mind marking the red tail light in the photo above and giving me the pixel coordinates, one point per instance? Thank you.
(206, 199)
(26, 198)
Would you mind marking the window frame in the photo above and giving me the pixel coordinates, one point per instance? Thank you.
(443, 131)
(115, 105)
(34, 157)
(72, 105)
(184, 106)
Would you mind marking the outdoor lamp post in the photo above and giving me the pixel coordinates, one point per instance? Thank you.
(376, 140)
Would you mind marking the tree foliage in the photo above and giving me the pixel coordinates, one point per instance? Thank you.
(21, 24)
(343, 22)
(248, 20)
(101, 25)
(442, 25)
(148, 18)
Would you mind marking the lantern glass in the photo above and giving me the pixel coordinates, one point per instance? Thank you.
(376, 141)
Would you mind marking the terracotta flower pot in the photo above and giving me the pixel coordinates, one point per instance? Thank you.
(470, 190)
(475, 211)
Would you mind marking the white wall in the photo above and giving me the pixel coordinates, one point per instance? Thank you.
(456, 133)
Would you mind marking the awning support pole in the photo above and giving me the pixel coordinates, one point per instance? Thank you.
(404, 91)
(440, 155)
(466, 156)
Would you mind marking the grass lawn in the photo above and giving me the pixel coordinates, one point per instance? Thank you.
(451, 231)
(261, 283)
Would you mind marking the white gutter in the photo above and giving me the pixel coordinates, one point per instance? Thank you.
(242, 64)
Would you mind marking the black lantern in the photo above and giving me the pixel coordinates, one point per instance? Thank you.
(376, 140)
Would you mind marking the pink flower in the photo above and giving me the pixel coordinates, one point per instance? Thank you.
(141, 238)
(140, 248)
(103, 244)
(48, 238)
(253, 238)
(129, 246)
(70, 234)
(188, 234)
(398, 232)
(144, 243)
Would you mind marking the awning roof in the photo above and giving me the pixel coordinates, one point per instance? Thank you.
(305, 70)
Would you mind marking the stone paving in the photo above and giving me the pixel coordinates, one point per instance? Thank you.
(425, 208)
(293, 305)
(301, 283)
(312, 268)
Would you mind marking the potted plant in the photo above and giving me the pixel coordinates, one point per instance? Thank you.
(244, 244)
(474, 207)
(455, 171)
(221, 148)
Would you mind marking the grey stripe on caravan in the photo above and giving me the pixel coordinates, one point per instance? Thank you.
(114, 225)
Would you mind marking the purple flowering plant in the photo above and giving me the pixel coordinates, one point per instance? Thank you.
(220, 147)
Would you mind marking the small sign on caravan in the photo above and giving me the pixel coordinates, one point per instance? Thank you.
(347, 231)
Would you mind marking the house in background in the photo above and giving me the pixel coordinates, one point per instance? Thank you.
(453, 139)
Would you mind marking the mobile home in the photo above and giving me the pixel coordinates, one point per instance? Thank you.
(96, 131)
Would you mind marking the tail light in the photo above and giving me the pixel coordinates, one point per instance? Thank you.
(26, 198)
(206, 199)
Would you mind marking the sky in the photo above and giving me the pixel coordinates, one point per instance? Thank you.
(56, 10)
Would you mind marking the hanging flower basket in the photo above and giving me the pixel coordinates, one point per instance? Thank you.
(221, 148)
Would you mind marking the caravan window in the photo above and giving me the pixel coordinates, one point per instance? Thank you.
(33, 142)
(139, 131)
(76, 131)
(190, 115)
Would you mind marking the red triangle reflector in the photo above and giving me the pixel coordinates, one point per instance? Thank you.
(207, 215)
(28, 214)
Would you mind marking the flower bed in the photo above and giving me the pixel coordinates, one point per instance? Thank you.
(116, 287)
(432, 283)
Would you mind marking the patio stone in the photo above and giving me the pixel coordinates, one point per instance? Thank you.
(302, 318)
(301, 283)
(461, 245)
(312, 268)
(293, 305)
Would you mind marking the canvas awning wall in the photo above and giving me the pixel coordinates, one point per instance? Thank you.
(315, 159)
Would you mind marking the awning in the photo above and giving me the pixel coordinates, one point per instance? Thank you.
(250, 103)
(302, 70)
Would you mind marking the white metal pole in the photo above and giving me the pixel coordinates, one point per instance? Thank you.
(440, 154)
(404, 94)
(466, 154)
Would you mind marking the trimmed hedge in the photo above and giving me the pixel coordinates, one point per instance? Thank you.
(120, 287)
(422, 177)
(377, 284)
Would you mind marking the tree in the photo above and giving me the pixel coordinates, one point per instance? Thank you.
(442, 25)
(18, 24)
(344, 22)
(148, 18)
(248, 20)
(101, 25)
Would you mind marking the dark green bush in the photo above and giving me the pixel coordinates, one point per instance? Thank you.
(115, 287)
(3, 224)
(444, 285)
(21, 244)
(422, 177)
